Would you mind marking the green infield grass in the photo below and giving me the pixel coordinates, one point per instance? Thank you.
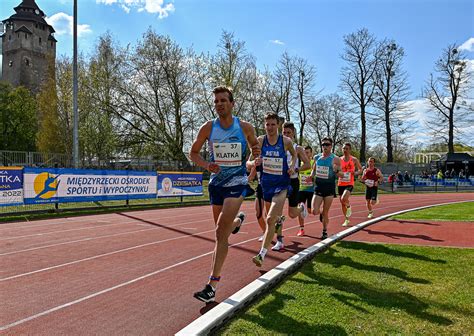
(452, 212)
(369, 289)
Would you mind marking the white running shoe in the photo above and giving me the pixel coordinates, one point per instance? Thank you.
(278, 246)
(348, 212)
(346, 222)
(304, 211)
(261, 237)
(370, 215)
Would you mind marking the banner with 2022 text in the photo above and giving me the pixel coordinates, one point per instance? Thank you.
(11, 186)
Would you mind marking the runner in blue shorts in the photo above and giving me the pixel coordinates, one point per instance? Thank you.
(259, 203)
(275, 177)
(227, 137)
(326, 168)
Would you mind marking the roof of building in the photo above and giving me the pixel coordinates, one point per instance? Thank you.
(457, 157)
(23, 29)
(51, 38)
(28, 10)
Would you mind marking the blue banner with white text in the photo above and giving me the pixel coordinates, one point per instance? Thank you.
(11, 186)
(50, 185)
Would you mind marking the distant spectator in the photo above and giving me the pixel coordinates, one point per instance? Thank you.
(399, 178)
(447, 174)
(406, 177)
(440, 176)
(391, 180)
(461, 174)
(453, 173)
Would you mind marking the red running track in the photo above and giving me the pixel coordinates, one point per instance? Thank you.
(134, 273)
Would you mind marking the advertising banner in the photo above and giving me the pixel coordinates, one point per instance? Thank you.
(11, 186)
(45, 185)
(172, 184)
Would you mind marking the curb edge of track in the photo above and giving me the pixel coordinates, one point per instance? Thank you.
(225, 310)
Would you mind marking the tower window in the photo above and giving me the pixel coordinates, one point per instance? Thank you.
(26, 36)
(27, 62)
(9, 37)
(40, 40)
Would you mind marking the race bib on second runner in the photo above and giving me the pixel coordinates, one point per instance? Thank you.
(322, 172)
(228, 154)
(306, 181)
(346, 177)
(273, 166)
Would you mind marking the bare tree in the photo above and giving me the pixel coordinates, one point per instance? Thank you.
(445, 90)
(304, 89)
(392, 91)
(328, 116)
(156, 94)
(284, 80)
(357, 76)
(254, 90)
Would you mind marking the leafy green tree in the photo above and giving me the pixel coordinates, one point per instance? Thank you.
(48, 138)
(18, 124)
(100, 80)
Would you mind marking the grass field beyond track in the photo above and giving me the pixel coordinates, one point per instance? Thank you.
(453, 212)
(359, 288)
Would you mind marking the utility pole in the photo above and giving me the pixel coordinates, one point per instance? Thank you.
(75, 146)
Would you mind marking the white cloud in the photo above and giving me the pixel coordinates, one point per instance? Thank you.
(125, 8)
(62, 24)
(151, 6)
(468, 45)
(277, 42)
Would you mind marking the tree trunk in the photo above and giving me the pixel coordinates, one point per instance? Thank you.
(363, 134)
(451, 131)
(389, 136)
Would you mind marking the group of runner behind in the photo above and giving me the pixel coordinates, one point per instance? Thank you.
(284, 170)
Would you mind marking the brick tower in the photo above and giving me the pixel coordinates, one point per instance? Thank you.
(28, 47)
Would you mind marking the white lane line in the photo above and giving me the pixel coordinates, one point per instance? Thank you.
(60, 231)
(104, 291)
(78, 220)
(93, 238)
(100, 256)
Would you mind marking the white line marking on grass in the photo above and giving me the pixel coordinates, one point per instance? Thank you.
(215, 317)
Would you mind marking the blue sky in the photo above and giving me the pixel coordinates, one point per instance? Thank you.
(311, 29)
